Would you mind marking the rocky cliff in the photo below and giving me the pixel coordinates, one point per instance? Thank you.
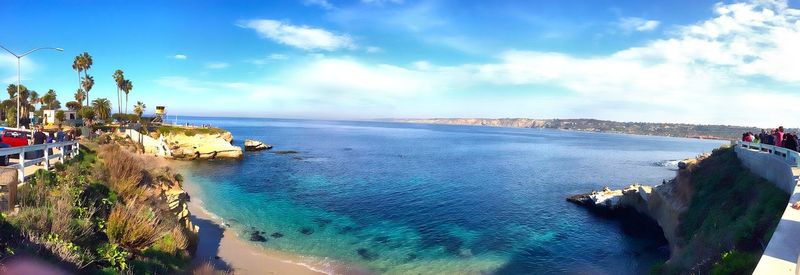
(712, 209)
(202, 145)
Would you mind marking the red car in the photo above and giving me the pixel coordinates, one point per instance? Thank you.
(16, 138)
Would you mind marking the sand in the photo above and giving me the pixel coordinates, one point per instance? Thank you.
(225, 249)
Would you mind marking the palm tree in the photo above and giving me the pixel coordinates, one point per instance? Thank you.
(49, 99)
(119, 78)
(80, 95)
(102, 107)
(87, 62)
(88, 83)
(35, 98)
(78, 65)
(127, 86)
(138, 109)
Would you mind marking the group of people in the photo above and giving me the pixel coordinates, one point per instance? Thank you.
(776, 137)
(40, 136)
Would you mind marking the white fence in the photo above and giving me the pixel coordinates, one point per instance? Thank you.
(792, 157)
(65, 149)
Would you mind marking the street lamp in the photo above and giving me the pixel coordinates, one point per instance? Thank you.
(19, 57)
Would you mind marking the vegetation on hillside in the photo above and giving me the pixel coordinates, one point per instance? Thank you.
(98, 213)
(166, 130)
(730, 219)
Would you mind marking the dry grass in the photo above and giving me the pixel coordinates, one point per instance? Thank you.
(206, 268)
(125, 172)
(134, 227)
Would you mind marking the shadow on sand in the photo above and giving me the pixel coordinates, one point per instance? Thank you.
(210, 236)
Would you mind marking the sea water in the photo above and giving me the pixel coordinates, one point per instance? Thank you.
(402, 198)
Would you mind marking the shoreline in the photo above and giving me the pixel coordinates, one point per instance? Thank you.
(226, 249)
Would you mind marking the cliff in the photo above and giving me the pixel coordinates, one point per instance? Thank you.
(595, 125)
(191, 144)
(715, 215)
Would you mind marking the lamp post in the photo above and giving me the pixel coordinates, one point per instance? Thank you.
(19, 57)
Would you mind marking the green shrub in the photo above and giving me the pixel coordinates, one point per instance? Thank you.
(114, 255)
(735, 262)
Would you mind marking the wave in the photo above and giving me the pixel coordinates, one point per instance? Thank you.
(669, 164)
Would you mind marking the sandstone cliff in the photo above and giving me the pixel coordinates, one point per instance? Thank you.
(202, 146)
(712, 209)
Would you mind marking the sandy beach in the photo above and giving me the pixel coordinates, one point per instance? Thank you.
(225, 249)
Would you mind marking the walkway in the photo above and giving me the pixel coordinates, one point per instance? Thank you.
(780, 167)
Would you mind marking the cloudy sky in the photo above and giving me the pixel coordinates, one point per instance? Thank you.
(692, 61)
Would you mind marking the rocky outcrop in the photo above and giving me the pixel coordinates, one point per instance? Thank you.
(255, 145)
(663, 204)
(202, 146)
(632, 197)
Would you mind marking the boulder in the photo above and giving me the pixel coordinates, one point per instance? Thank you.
(255, 145)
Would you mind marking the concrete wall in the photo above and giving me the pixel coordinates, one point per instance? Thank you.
(781, 255)
(771, 167)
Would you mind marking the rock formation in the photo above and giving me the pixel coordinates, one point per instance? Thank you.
(255, 145)
(202, 146)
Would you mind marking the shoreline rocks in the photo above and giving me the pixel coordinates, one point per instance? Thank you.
(202, 146)
(255, 145)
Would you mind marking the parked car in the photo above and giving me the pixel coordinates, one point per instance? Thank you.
(16, 138)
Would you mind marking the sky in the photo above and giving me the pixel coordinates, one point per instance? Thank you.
(694, 61)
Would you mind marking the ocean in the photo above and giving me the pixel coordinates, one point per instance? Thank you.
(399, 198)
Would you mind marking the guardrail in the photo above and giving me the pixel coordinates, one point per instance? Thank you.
(792, 157)
(65, 149)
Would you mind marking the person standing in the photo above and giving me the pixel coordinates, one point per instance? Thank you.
(39, 138)
(779, 136)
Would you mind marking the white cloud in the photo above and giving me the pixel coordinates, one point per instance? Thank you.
(303, 37)
(320, 3)
(373, 49)
(732, 68)
(638, 24)
(180, 56)
(181, 84)
(270, 58)
(217, 65)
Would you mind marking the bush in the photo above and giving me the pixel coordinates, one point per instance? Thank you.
(735, 262)
(114, 255)
(125, 172)
(134, 227)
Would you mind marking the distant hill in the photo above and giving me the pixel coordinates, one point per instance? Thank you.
(725, 132)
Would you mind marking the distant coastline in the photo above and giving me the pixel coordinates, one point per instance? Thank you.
(697, 131)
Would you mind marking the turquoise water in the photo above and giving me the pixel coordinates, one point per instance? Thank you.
(432, 199)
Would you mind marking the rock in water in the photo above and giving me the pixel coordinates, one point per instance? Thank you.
(256, 236)
(255, 145)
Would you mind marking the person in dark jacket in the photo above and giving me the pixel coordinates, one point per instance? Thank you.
(39, 137)
(790, 142)
(763, 136)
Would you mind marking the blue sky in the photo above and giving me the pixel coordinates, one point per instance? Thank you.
(674, 61)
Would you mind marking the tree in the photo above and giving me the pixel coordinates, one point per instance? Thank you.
(138, 109)
(102, 107)
(119, 78)
(83, 62)
(74, 105)
(88, 83)
(60, 116)
(127, 86)
(78, 65)
(34, 98)
(49, 100)
(80, 95)
(87, 113)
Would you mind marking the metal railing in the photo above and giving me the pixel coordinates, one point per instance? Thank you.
(792, 157)
(66, 149)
